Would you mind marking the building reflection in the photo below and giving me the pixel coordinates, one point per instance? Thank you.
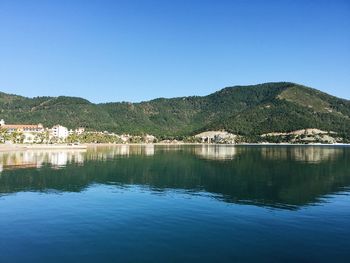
(110, 152)
(309, 154)
(62, 157)
(216, 152)
(37, 158)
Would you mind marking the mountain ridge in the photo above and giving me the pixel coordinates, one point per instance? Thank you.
(245, 110)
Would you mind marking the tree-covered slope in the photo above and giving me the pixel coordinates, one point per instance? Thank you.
(245, 110)
(49, 111)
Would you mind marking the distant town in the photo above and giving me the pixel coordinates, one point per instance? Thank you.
(38, 134)
(58, 134)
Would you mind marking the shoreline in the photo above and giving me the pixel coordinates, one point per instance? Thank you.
(21, 147)
(15, 147)
(218, 144)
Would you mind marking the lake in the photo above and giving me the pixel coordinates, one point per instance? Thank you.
(201, 203)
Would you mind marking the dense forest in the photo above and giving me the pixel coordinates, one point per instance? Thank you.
(244, 110)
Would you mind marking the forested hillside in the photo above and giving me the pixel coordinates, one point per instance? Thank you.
(245, 110)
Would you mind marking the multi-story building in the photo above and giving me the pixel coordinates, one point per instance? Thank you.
(59, 131)
(25, 128)
(26, 133)
(33, 133)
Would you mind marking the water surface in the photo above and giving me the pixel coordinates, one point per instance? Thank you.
(176, 203)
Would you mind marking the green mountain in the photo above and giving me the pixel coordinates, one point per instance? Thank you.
(245, 110)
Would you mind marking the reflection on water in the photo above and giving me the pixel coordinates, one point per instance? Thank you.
(36, 158)
(109, 152)
(284, 177)
(311, 154)
(216, 152)
(60, 158)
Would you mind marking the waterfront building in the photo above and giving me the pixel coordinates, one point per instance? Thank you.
(34, 128)
(59, 131)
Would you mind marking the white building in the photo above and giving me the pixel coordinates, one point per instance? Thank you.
(216, 137)
(59, 131)
(80, 130)
(77, 131)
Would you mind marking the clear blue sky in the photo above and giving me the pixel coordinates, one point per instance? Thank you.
(139, 50)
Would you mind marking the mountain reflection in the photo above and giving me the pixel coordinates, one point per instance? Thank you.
(284, 177)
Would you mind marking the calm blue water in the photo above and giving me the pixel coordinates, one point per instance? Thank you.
(176, 204)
